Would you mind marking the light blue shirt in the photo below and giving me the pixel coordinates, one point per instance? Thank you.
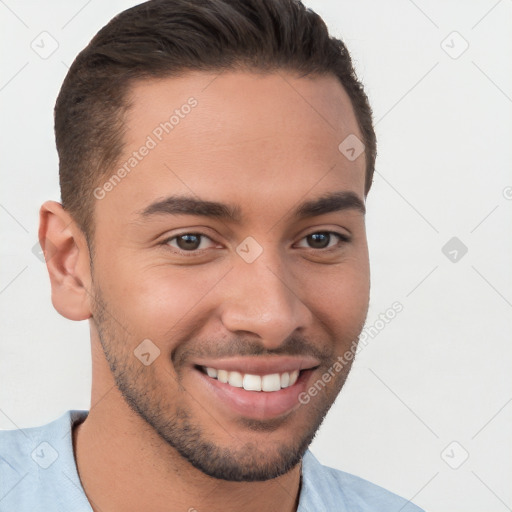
(38, 473)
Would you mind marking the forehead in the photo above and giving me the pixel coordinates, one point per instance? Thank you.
(234, 105)
(259, 140)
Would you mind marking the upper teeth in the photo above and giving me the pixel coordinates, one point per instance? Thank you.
(270, 382)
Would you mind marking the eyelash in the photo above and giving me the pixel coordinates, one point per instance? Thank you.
(342, 239)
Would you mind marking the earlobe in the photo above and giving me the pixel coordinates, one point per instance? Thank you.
(67, 259)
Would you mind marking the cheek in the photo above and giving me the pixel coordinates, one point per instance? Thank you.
(340, 297)
(155, 301)
(161, 301)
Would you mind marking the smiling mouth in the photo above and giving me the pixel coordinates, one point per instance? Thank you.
(267, 383)
(255, 388)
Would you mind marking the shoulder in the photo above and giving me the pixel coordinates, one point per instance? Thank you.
(16, 443)
(37, 463)
(331, 489)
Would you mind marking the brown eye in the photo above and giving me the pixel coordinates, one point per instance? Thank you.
(319, 240)
(325, 240)
(188, 242)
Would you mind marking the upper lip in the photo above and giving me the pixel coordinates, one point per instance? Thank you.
(260, 365)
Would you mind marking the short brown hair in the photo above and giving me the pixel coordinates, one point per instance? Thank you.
(162, 38)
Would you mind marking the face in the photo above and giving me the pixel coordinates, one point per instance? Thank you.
(231, 264)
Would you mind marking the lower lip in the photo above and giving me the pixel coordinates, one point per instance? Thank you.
(256, 404)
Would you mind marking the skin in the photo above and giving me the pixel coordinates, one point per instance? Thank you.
(263, 142)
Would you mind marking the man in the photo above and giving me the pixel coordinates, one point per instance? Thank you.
(215, 157)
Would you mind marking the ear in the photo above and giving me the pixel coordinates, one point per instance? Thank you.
(68, 261)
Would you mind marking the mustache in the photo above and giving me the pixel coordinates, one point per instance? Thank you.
(295, 345)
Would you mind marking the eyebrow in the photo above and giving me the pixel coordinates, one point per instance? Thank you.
(186, 205)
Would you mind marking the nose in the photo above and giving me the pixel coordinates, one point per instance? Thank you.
(262, 299)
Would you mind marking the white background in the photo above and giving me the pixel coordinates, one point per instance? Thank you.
(440, 371)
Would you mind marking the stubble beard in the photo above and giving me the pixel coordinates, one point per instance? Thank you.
(174, 424)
